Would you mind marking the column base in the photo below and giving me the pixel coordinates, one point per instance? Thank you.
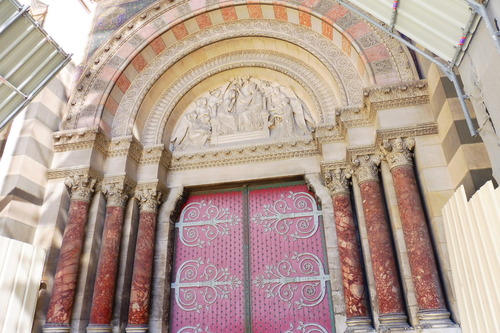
(393, 321)
(99, 328)
(137, 328)
(56, 328)
(436, 318)
(359, 325)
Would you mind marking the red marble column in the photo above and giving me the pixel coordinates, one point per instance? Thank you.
(66, 277)
(385, 270)
(349, 249)
(105, 283)
(430, 299)
(140, 294)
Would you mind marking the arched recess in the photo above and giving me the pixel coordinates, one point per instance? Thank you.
(168, 28)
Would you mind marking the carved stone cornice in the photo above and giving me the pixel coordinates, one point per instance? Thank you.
(157, 154)
(80, 139)
(399, 95)
(81, 186)
(117, 190)
(70, 172)
(244, 154)
(337, 180)
(327, 133)
(125, 146)
(418, 130)
(366, 168)
(149, 197)
(397, 151)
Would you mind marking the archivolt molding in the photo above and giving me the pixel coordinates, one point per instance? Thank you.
(338, 64)
(310, 80)
(324, 49)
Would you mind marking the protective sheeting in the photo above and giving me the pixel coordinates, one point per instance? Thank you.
(21, 267)
(443, 27)
(472, 234)
(28, 59)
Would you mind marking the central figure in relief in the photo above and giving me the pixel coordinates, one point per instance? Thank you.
(241, 110)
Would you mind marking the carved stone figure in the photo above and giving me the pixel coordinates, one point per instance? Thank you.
(249, 107)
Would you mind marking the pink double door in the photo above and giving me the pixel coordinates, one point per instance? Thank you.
(251, 259)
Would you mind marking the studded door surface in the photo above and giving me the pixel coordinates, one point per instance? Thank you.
(251, 261)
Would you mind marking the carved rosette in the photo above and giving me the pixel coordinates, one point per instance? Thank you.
(397, 151)
(337, 181)
(81, 187)
(149, 198)
(116, 194)
(366, 168)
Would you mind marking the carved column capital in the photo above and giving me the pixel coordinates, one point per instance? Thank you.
(116, 193)
(366, 168)
(149, 198)
(397, 151)
(81, 186)
(337, 180)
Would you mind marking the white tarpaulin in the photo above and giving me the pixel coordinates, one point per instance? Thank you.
(443, 27)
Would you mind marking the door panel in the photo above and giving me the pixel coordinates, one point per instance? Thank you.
(251, 260)
(290, 283)
(207, 288)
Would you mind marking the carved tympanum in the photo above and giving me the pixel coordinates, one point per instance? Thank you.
(243, 109)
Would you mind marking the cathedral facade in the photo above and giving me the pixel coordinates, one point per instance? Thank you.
(241, 166)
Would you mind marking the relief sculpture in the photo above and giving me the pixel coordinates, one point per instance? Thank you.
(243, 109)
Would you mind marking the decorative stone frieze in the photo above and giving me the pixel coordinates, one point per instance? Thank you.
(81, 187)
(70, 172)
(244, 154)
(366, 168)
(397, 151)
(337, 180)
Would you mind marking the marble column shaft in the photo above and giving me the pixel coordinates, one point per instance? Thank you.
(418, 242)
(105, 283)
(385, 270)
(66, 277)
(140, 294)
(350, 256)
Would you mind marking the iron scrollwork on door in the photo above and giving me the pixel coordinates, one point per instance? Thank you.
(302, 270)
(297, 217)
(210, 219)
(201, 283)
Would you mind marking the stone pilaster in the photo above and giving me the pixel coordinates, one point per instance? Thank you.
(385, 270)
(432, 308)
(355, 293)
(140, 294)
(65, 281)
(105, 284)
